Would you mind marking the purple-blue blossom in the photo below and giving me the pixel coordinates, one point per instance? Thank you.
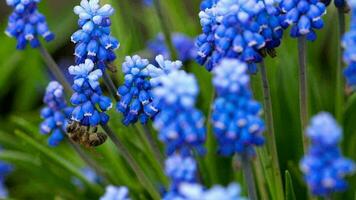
(55, 114)
(349, 44)
(90, 105)
(26, 24)
(236, 116)
(323, 166)
(5, 169)
(115, 193)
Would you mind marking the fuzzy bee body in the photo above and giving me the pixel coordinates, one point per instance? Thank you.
(89, 137)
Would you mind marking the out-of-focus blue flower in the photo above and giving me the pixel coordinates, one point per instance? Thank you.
(236, 118)
(115, 193)
(323, 166)
(180, 124)
(197, 192)
(93, 40)
(5, 169)
(88, 99)
(89, 174)
(55, 114)
(183, 44)
(349, 44)
(135, 94)
(148, 2)
(304, 16)
(26, 24)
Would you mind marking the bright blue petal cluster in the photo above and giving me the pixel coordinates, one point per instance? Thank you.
(349, 43)
(241, 29)
(135, 94)
(304, 16)
(5, 169)
(26, 24)
(88, 99)
(323, 166)
(182, 43)
(205, 4)
(180, 124)
(93, 40)
(236, 119)
(55, 114)
(115, 193)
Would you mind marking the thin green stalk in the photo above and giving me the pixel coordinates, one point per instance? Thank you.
(110, 85)
(339, 104)
(261, 183)
(53, 67)
(249, 178)
(303, 87)
(165, 28)
(271, 142)
(154, 145)
(131, 161)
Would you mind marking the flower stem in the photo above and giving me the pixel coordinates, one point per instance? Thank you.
(165, 29)
(303, 87)
(110, 85)
(249, 179)
(131, 161)
(154, 145)
(339, 104)
(53, 67)
(271, 142)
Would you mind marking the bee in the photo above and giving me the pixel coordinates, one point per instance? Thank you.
(85, 135)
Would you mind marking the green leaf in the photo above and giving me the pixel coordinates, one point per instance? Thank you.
(16, 156)
(290, 195)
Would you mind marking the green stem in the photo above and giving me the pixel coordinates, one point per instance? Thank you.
(249, 179)
(110, 85)
(271, 142)
(339, 104)
(131, 161)
(261, 183)
(303, 88)
(53, 67)
(154, 145)
(165, 28)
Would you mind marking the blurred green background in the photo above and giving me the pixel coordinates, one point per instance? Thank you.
(23, 78)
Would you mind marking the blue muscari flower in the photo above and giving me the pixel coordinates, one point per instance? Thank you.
(180, 124)
(135, 94)
(89, 174)
(26, 24)
(323, 166)
(207, 4)
(304, 16)
(115, 193)
(5, 169)
(88, 99)
(55, 114)
(236, 116)
(93, 40)
(148, 2)
(349, 44)
(183, 44)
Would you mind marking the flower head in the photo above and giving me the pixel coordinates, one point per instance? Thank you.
(55, 114)
(323, 166)
(115, 193)
(26, 24)
(236, 117)
(93, 40)
(88, 99)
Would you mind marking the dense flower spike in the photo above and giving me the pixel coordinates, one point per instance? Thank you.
(90, 104)
(238, 29)
(323, 166)
(183, 44)
(349, 43)
(180, 124)
(115, 193)
(135, 94)
(304, 16)
(55, 114)
(26, 24)
(236, 117)
(93, 39)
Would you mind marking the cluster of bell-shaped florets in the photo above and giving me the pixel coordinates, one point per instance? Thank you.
(323, 166)
(88, 99)
(136, 101)
(55, 114)
(349, 43)
(26, 24)
(115, 193)
(236, 116)
(183, 44)
(93, 40)
(240, 29)
(180, 124)
(304, 16)
(207, 4)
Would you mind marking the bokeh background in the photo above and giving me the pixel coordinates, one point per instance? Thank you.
(24, 76)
